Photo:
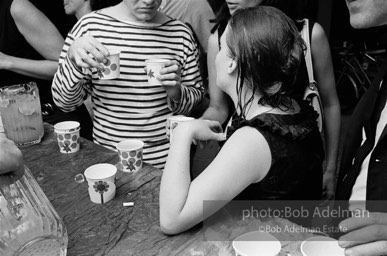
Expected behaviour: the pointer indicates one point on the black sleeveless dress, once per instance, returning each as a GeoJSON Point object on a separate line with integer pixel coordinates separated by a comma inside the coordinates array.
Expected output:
{"type": "Point", "coordinates": [297, 156]}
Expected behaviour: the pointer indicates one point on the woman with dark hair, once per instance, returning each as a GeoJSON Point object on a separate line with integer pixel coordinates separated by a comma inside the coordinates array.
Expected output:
{"type": "Point", "coordinates": [273, 149]}
{"type": "Point", "coordinates": [220, 108]}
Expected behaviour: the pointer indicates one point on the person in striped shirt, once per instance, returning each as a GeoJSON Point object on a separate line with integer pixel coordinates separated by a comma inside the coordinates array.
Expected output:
{"type": "Point", "coordinates": [128, 107]}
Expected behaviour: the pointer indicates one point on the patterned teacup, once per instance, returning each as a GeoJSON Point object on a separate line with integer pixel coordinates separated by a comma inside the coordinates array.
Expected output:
{"type": "Point", "coordinates": [68, 136]}
{"type": "Point", "coordinates": [101, 181]}
{"type": "Point", "coordinates": [130, 153]}
{"type": "Point", "coordinates": [111, 67]}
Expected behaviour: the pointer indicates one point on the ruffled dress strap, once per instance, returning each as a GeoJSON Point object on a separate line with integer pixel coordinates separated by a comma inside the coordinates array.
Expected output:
{"type": "Point", "coordinates": [292, 126]}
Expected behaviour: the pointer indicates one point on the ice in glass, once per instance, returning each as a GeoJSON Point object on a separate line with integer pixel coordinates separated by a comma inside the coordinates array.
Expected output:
{"type": "Point", "coordinates": [21, 113]}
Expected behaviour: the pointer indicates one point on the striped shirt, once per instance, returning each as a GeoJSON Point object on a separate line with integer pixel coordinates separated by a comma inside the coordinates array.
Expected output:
{"type": "Point", "coordinates": [128, 107]}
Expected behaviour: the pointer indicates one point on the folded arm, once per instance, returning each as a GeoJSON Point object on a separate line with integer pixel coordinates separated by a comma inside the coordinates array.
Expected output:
{"type": "Point", "coordinates": [42, 35]}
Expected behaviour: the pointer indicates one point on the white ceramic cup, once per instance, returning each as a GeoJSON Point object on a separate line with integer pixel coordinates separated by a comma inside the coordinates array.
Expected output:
{"type": "Point", "coordinates": [112, 66]}
{"type": "Point", "coordinates": [321, 246]}
{"type": "Point", "coordinates": [256, 243]}
{"type": "Point", "coordinates": [153, 67]}
{"type": "Point", "coordinates": [130, 152]}
{"type": "Point", "coordinates": [101, 181]}
{"type": "Point", "coordinates": [173, 122]}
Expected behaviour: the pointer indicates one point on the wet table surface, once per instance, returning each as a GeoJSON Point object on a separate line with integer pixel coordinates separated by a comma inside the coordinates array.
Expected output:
{"type": "Point", "coordinates": [111, 228]}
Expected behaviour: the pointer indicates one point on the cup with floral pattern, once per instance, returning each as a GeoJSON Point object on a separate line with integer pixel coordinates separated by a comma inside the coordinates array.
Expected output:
{"type": "Point", "coordinates": [173, 122]}
{"type": "Point", "coordinates": [111, 68]}
{"type": "Point", "coordinates": [67, 134]}
{"type": "Point", "coordinates": [101, 179]}
{"type": "Point", "coordinates": [153, 67]}
{"type": "Point", "coordinates": [130, 152]}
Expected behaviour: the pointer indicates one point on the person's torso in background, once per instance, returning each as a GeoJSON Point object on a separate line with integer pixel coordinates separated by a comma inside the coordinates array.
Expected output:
{"type": "Point", "coordinates": [13, 43]}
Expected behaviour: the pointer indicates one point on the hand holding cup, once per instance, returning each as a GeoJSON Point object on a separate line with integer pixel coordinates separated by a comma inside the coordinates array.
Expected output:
{"type": "Point", "coordinates": [88, 52]}
{"type": "Point", "coordinates": [200, 129]}
{"type": "Point", "coordinates": [166, 73]}
{"type": "Point", "coordinates": [173, 122]}
{"type": "Point", "coordinates": [111, 65]}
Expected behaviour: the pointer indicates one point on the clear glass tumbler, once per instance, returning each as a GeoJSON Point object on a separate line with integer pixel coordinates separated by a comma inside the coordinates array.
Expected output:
{"type": "Point", "coordinates": [21, 113]}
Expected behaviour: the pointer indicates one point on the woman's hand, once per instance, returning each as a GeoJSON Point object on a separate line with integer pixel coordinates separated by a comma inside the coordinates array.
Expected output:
{"type": "Point", "coordinates": [87, 52]}
{"type": "Point", "coordinates": [170, 78]}
{"type": "Point", "coordinates": [199, 129]}
{"type": "Point", "coordinates": [366, 235]}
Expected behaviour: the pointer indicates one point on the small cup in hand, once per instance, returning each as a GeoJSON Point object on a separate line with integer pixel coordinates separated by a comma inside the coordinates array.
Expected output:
{"type": "Point", "coordinates": [111, 66]}
{"type": "Point", "coordinates": [153, 67]}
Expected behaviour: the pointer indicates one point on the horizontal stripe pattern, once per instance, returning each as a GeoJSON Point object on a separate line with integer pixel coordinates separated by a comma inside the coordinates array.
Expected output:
{"type": "Point", "coordinates": [128, 107]}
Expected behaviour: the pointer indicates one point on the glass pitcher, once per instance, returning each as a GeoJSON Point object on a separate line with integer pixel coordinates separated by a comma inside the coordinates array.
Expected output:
{"type": "Point", "coordinates": [29, 224]}
{"type": "Point", "coordinates": [21, 113]}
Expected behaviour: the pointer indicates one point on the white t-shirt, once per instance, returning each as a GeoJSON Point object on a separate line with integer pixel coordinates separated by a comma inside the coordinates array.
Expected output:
{"type": "Point", "coordinates": [359, 190]}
